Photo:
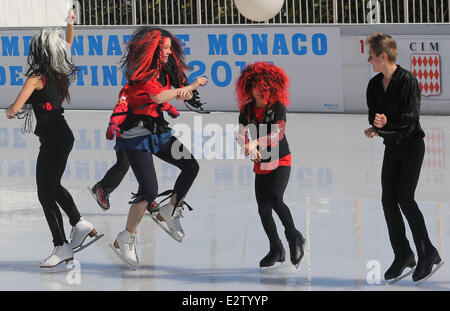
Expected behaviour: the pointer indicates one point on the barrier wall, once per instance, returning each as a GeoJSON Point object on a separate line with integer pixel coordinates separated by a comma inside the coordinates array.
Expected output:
{"type": "Point", "coordinates": [327, 64]}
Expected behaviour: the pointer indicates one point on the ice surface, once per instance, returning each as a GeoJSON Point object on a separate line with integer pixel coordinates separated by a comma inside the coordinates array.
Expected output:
{"type": "Point", "coordinates": [334, 195]}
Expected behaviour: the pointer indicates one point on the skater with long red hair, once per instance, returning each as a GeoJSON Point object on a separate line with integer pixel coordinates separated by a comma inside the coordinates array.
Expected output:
{"type": "Point", "coordinates": [262, 95]}
{"type": "Point", "coordinates": [155, 71]}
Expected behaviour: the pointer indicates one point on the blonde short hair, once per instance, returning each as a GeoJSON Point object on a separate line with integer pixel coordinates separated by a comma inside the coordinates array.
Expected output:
{"type": "Point", "coordinates": [382, 43]}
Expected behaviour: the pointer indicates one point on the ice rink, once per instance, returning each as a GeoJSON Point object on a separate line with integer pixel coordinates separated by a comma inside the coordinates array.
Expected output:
{"type": "Point", "coordinates": [334, 195]}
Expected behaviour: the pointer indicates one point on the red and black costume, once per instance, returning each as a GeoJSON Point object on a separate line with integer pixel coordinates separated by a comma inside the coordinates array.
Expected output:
{"type": "Point", "coordinates": [267, 125]}
{"type": "Point", "coordinates": [138, 122]}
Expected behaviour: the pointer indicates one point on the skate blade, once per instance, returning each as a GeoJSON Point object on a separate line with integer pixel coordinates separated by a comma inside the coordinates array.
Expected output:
{"type": "Point", "coordinates": [63, 266]}
{"type": "Point", "coordinates": [83, 246]}
{"type": "Point", "coordinates": [436, 268]}
{"type": "Point", "coordinates": [401, 277]}
{"type": "Point", "coordinates": [173, 235]}
{"type": "Point", "coordinates": [130, 266]}
{"type": "Point", "coordinates": [95, 198]}
{"type": "Point", "coordinates": [278, 266]}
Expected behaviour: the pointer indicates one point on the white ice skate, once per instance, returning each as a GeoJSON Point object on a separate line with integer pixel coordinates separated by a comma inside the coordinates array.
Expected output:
{"type": "Point", "coordinates": [177, 215]}
{"type": "Point", "coordinates": [125, 247]}
{"type": "Point", "coordinates": [60, 257]}
{"type": "Point", "coordinates": [80, 232]}
{"type": "Point", "coordinates": [173, 224]}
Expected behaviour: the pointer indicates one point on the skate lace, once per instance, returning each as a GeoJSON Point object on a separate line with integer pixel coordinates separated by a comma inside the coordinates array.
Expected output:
{"type": "Point", "coordinates": [53, 252]}
{"type": "Point", "coordinates": [178, 213]}
{"type": "Point", "coordinates": [132, 243]}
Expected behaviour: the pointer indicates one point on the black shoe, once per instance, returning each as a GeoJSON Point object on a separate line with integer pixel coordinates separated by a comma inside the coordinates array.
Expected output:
{"type": "Point", "coordinates": [425, 267]}
{"type": "Point", "coordinates": [399, 265]}
{"type": "Point", "coordinates": [276, 254]}
{"type": "Point", "coordinates": [296, 244]}
{"type": "Point", "coordinates": [101, 196]}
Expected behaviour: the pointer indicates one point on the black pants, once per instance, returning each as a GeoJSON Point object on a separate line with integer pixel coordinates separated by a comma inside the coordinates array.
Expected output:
{"type": "Point", "coordinates": [116, 173]}
{"type": "Point", "coordinates": [51, 162]}
{"type": "Point", "coordinates": [399, 177]}
{"type": "Point", "coordinates": [269, 190]}
{"type": "Point", "coordinates": [143, 168]}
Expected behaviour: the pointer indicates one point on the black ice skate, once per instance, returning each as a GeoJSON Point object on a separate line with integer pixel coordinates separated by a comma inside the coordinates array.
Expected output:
{"type": "Point", "coordinates": [425, 268]}
{"type": "Point", "coordinates": [395, 271]}
{"type": "Point", "coordinates": [275, 254]}
{"type": "Point", "coordinates": [100, 196]}
{"type": "Point", "coordinates": [296, 244]}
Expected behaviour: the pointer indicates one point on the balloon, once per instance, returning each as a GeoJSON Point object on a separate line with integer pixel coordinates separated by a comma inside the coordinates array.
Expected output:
{"type": "Point", "coordinates": [259, 10]}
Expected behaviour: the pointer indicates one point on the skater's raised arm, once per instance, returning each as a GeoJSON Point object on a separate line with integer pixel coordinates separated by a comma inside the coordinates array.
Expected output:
{"type": "Point", "coordinates": [70, 33]}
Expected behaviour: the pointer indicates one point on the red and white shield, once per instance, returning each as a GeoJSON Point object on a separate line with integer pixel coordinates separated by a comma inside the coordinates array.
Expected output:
{"type": "Point", "coordinates": [427, 69]}
{"type": "Point", "coordinates": [434, 151]}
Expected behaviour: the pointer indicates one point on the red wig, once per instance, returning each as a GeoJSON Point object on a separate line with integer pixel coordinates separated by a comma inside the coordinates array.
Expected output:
{"type": "Point", "coordinates": [269, 80]}
{"type": "Point", "coordinates": [142, 57]}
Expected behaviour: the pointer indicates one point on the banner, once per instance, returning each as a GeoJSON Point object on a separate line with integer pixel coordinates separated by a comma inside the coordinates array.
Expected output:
{"type": "Point", "coordinates": [311, 56]}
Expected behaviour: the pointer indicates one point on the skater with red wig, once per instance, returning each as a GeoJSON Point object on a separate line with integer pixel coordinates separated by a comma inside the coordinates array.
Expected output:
{"type": "Point", "coordinates": [155, 67]}
{"type": "Point", "coordinates": [262, 94]}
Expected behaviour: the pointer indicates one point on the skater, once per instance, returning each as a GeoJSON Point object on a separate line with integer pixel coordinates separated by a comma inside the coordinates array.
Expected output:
{"type": "Point", "coordinates": [393, 99]}
{"type": "Point", "coordinates": [46, 87]}
{"type": "Point", "coordinates": [154, 63]}
{"type": "Point", "coordinates": [114, 176]}
{"type": "Point", "coordinates": [262, 95]}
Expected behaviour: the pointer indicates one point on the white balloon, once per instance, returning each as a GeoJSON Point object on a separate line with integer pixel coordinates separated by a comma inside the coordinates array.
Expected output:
{"type": "Point", "coordinates": [259, 10]}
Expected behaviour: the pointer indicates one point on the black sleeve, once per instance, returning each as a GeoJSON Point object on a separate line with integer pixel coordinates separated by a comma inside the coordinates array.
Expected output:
{"type": "Point", "coordinates": [280, 112]}
{"type": "Point", "coordinates": [410, 104]}
{"type": "Point", "coordinates": [243, 116]}
{"type": "Point", "coordinates": [370, 98]}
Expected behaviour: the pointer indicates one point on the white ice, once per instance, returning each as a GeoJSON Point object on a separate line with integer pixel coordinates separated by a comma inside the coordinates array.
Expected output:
{"type": "Point", "coordinates": [334, 196]}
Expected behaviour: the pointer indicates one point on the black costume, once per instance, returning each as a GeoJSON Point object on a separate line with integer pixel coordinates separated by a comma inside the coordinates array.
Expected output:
{"type": "Point", "coordinates": [403, 157]}
{"type": "Point", "coordinates": [56, 140]}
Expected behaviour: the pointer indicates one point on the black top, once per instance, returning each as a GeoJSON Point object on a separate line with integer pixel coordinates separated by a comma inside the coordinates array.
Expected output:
{"type": "Point", "coordinates": [272, 114]}
{"type": "Point", "coordinates": [47, 107]}
{"type": "Point", "coordinates": [400, 103]}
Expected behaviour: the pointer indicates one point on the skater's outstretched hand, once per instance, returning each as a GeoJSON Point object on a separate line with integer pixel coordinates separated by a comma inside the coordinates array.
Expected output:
{"type": "Point", "coordinates": [200, 81]}
{"type": "Point", "coordinates": [112, 131]}
{"type": "Point", "coordinates": [370, 132]}
{"type": "Point", "coordinates": [249, 147]}
{"type": "Point", "coordinates": [255, 156]}
{"type": "Point", "coordinates": [183, 94]}
{"type": "Point", "coordinates": [71, 17]}
{"type": "Point", "coordinates": [171, 110]}
{"type": "Point", "coordinates": [380, 120]}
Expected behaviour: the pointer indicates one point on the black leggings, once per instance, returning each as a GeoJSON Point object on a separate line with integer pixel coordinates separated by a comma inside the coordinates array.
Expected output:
{"type": "Point", "coordinates": [116, 173]}
{"type": "Point", "coordinates": [399, 177]}
{"type": "Point", "coordinates": [269, 190]}
{"type": "Point", "coordinates": [143, 168]}
{"type": "Point", "coordinates": [50, 166]}
{"type": "Point", "coordinates": [175, 153]}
